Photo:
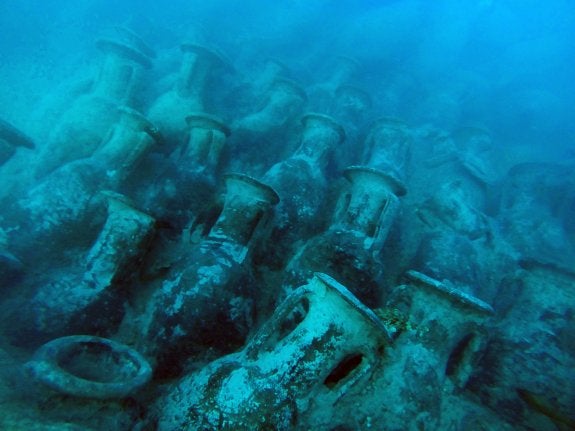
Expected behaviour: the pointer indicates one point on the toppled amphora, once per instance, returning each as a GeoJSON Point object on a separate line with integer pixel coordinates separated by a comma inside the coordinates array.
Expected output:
{"type": "Point", "coordinates": [320, 345]}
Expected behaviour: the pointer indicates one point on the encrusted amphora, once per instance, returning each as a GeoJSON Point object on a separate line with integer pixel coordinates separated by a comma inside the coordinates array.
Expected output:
{"type": "Point", "coordinates": [90, 297]}
{"type": "Point", "coordinates": [169, 111]}
{"type": "Point", "coordinates": [88, 120]}
{"type": "Point", "coordinates": [207, 300]}
{"type": "Point", "coordinates": [321, 344]}
{"type": "Point", "coordinates": [350, 248]}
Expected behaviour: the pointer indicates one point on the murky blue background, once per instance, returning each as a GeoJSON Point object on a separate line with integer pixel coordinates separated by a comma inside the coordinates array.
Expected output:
{"type": "Point", "coordinates": [507, 65]}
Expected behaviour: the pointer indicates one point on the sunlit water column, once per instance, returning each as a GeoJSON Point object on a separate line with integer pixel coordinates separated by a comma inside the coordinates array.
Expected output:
{"type": "Point", "coordinates": [88, 120]}
{"type": "Point", "coordinates": [207, 299]}
{"type": "Point", "coordinates": [320, 346]}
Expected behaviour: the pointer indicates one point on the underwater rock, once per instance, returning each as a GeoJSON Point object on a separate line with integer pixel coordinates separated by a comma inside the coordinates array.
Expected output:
{"type": "Point", "coordinates": [90, 298]}
{"type": "Point", "coordinates": [88, 120]}
{"type": "Point", "coordinates": [207, 300]}
{"type": "Point", "coordinates": [169, 111]}
{"type": "Point", "coordinates": [319, 347]}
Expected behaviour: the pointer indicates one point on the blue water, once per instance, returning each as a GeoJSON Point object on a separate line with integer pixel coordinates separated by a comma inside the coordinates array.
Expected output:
{"type": "Point", "coordinates": [513, 59]}
{"type": "Point", "coordinates": [493, 220]}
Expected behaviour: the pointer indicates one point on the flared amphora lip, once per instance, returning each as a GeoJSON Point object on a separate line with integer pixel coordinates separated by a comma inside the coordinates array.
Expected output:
{"type": "Point", "coordinates": [13, 136]}
{"type": "Point", "coordinates": [355, 303]}
{"type": "Point", "coordinates": [468, 132]}
{"type": "Point", "coordinates": [471, 302]}
{"type": "Point", "coordinates": [124, 50]}
{"type": "Point", "coordinates": [140, 121]}
{"type": "Point", "coordinates": [265, 192]}
{"type": "Point", "coordinates": [388, 180]}
{"type": "Point", "coordinates": [90, 367]}
{"type": "Point", "coordinates": [347, 61]}
{"type": "Point", "coordinates": [213, 55]}
{"type": "Point", "coordinates": [280, 65]}
{"type": "Point", "coordinates": [133, 39]}
{"type": "Point", "coordinates": [476, 138]}
{"type": "Point", "coordinates": [324, 121]}
{"type": "Point", "coordinates": [392, 123]}
{"type": "Point", "coordinates": [288, 86]}
{"type": "Point", "coordinates": [202, 120]}
{"type": "Point", "coordinates": [354, 92]}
